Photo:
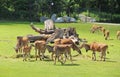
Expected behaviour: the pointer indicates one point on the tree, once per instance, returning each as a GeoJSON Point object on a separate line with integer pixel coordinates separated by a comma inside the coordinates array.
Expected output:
{"type": "Point", "coordinates": [33, 9]}
{"type": "Point", "coordinates": [68, 6]}
{"type": "Point", "coordinates": [5, 9]}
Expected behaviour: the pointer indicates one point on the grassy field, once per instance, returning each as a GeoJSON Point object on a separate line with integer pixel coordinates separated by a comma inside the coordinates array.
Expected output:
{"type": "Point", "coordinates": [83, 65]}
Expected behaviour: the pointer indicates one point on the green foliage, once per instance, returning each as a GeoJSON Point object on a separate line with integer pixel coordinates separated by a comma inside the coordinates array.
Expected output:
{"type": "Point", "coordinates": [103, 16]}
{"type": "Point", "coordinates": [31, 10]}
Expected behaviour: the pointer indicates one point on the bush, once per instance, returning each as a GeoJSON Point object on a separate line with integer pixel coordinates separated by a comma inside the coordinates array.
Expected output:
{"type": "Point", "coordinates": [103, 16]}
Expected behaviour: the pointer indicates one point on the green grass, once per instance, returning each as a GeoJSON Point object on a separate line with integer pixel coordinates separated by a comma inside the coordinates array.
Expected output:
{"type": "Point", "coordinates": [83, 66]}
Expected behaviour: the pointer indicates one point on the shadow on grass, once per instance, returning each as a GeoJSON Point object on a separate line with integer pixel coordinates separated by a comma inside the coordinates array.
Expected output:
{"type": "Point", "coordinates": [68, 65]}
{"type": "Point", "coordinates": [111, 61]}
{"type": "Point", "coordinates": [48, 60]}
{"type": "Point", "coordinates": [107, 61]}
{"type": "Point", "coordinates": [32, 60]}
{"type": "Point", "coordinates": [111, 39]}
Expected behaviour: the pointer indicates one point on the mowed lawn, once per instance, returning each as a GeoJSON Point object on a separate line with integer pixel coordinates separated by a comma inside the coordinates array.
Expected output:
{"type": "Point", "coordinates": [83, 65]}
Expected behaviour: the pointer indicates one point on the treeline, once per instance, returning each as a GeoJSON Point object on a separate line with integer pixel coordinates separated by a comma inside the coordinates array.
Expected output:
{"type": "Point", "coordinates": [32, 9]}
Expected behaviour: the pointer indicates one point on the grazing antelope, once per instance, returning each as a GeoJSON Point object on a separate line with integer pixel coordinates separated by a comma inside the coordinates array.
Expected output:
{"type": "Point", "coordinates": [62, 49]}
{"type": "Point", "coordinates": [106, 34]}
{"type": "Point", "coordinates": [40, 47]}
{"type": "Point", "coordinates": [103, 30]}
{"type": "Point", "coordinates": [67, 41]}
{"type": "Point", "coordinates": [26, 52]}
{"type": "Point", "coordinates": [21, 42]}
{"type": "Point", "coordinates": [95, 28]}
{"type": "Point", "coordinates": [96, 47]}
{"type": "Point", "coordinates": [118, 35]}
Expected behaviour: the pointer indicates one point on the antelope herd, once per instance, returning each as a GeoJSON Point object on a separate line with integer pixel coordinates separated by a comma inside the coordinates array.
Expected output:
{"type": "Point", "coordinates": [63, 41]}
{"type": "Point", "coordinates": [105, 32]}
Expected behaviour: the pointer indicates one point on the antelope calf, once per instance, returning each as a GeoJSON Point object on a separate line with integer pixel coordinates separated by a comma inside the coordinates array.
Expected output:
{"type": "Point", "coordinates": [26, 52]}
{"type": "Point", "coordinates": [40, 47]}
{"type": "Point", "coordinates": [62, 49]}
